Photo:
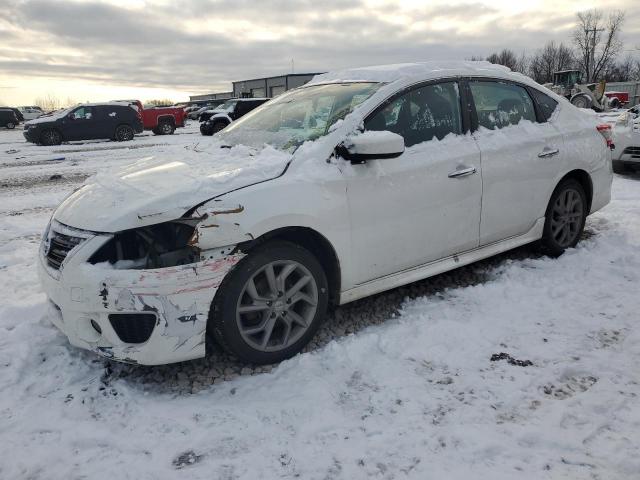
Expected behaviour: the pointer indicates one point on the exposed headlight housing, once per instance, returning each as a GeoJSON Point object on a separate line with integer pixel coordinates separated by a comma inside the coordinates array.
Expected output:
{"type": "Point", "coordinates": [155, 246]}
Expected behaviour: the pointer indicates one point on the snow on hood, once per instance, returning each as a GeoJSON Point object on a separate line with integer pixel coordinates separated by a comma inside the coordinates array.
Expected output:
{"type": "Point", "coordinates": [49, 117]}
{"type": "Point", "coordinates": [163, 187]}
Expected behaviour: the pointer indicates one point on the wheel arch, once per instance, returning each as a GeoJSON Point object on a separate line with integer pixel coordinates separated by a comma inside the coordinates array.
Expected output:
{"type": "Point", "coordinates": [317, 244]}
{"type": "Point", "coordinates": [584, 179]}
{"type": "Point", "coordinates": [167, 118]}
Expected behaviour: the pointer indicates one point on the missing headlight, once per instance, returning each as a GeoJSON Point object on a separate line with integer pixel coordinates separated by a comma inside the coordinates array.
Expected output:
{"type": "Point", "coordinates": [155, 246]}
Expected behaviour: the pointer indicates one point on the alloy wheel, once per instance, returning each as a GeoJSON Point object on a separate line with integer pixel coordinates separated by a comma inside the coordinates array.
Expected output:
{"type": "Point", "coordinates": [277, 305]}
{"type": "Point", "coordinates": [566, 217]}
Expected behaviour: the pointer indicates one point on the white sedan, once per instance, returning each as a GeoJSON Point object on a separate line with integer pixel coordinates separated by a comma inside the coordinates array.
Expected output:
{"type": "Point", "coordinates": [626, 140]}
{"type": "Point", "coordinates": [358, 182]}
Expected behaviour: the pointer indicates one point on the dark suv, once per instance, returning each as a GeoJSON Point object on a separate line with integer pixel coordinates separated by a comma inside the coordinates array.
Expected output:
{"type": "Point", "coordinates": [214, 120]}
{"type": "Point", "coordinates": [8, 118]}
{"type": "Point", "coordinates": [116, 121]}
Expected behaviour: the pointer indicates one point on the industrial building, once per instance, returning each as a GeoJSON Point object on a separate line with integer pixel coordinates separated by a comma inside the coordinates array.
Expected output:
{"type": "Point", "coordinates": [259, 87]}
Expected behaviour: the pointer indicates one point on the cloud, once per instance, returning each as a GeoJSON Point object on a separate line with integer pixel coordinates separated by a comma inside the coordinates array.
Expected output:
{"type": "Point", "coordinates": [203, 45]}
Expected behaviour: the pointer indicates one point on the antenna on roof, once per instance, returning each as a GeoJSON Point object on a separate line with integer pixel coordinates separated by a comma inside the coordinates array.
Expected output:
{"type": "Point", "coordinates": [292, 69]}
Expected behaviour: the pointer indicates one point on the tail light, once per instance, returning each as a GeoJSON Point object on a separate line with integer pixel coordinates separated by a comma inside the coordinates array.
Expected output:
{"type": "Point", "coordinates": [607, 134]}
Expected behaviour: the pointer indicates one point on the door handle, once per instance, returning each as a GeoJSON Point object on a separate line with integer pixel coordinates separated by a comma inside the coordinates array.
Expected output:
{"type": "Point", "coordinates": [547, 152]}
{"type": "Point", "coordinates": [463, 173]}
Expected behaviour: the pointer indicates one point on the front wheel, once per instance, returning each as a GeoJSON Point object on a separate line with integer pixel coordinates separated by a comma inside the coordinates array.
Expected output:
{"type": "Point", "coordinates": [582, 101]}
{"type": "Point", "coordinates": [271, 304]}
{"type": "Point", "coordinates": [11, 125]}
{"type": "Point", "coordinates": [51, 137]}
{"type": "Point", "coordinates": [565, 217]}
{"type": "Point", "coordinates": [124, 133]}
{"type": "Point", "coordinates": [218, 126]}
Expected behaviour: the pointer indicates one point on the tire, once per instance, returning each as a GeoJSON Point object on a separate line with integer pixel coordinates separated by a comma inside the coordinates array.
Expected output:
{"type": "Point", "coordinates": [272, 328]}
{"type": "Point", "coordinates": [565, 218]}
{"type": "Point", "coordinates": [218, 126]}
{"type": "Point", "coordinates": [124, 133]}
{"type": "Point", "coordinates": [206, 129]}
{"type": "Point", "coordinates": [50, 137]}
{"type": "Point", "coordinates": [615, 103]}
{"type": "Point", "coordinates": [582, 101]}
{"type": "Point", "coordinates": [165, 128]}
{"type": "Point", "coordinates": [619, 167]}
{"type": "Point", "coordinates": [11, 125]}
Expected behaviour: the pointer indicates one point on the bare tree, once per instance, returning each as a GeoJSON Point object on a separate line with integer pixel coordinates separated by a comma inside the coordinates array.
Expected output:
{"type": "Point", "coordinates": [159, 102]}
{"type": "Point", "coordinates": [622, 71]}
{"type": "Point", "coordinates": [48, 103]}
{"type": "Point", "coordinates": [549, 59]}
{"type": "Point", "coordinates": [597, 40]}
{"type": "Point", "coordinates": [506, 57]}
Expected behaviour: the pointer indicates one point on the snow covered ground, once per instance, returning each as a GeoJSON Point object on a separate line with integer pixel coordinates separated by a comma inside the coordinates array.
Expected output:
{"type": "Point", "coordinates": [517, 367]}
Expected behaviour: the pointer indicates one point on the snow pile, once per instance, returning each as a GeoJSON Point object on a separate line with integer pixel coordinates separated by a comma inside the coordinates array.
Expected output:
{"type": "Point", "coordinates": [528, 374]}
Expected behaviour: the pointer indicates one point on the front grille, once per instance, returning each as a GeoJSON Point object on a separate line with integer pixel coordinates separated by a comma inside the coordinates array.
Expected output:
{"type": "Point", "coordinates": [59, 247]}
{"type": "Point", "coordinates": [633, 151]}
{"type": "Point", "coordinates": [133, 327]}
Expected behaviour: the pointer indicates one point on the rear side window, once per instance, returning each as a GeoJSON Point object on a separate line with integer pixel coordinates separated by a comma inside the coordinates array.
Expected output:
{"type": "Point", "coordinates": [500, 104]}
{"type": "Point", "coordinates": [422, 114]}
{"type": "Point", "coordinates": [546, 104]}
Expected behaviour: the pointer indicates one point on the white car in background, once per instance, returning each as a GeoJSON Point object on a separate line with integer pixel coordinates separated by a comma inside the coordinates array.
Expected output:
{"type": "Point", "coordinates": [358, 182]}
{"type": "Point", "coordinates": [626, 141]}
{"type": "Point", "coordinates": [30, 112]}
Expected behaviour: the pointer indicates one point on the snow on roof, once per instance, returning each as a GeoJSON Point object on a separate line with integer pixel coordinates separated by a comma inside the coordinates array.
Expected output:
{"type": "Point", "coordinates": [431, 69]}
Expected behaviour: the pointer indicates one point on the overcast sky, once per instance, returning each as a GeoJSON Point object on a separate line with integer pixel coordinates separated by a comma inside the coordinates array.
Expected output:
{"type": "Point", "coordinates": [100, 50]}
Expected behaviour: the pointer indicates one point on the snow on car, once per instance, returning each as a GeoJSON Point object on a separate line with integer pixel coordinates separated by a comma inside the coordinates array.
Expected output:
{"type": "Point", "coordinates": [361, 181]}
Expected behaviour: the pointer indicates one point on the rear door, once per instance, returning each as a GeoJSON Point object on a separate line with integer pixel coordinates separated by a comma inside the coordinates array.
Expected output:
{"type": "Point", "coordinates": [520, 154]}
{"type": "Point", "coordinates": [425, 204]}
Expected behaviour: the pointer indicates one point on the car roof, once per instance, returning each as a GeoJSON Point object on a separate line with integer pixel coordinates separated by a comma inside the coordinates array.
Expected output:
{"type": "Point", "coordinates": [419, 71]}
{"type": "Point", "coordinates": [121, 103]}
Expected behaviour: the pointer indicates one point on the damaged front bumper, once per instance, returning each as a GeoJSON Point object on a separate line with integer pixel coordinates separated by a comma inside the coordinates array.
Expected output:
{"type": "Point", "coordinates": [96, 307]}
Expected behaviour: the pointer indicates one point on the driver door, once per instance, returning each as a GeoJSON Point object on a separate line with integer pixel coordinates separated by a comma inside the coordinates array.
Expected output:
{"type": "Point", "coordinates": [425, 204]}
{"type": "Point", "coordinates": [80, 124]}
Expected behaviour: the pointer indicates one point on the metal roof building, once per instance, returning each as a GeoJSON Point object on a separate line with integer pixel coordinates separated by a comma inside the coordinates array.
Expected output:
{"type": "Point", "coordinates": [270, 86]}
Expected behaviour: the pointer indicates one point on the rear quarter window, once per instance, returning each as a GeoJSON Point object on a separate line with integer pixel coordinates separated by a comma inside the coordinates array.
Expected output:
{"type": "Point", "coordinates": [546, 104]}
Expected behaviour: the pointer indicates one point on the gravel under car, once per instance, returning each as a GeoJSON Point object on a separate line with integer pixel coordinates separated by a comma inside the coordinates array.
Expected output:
{"type": "Point", "coordinates": [358, 182]}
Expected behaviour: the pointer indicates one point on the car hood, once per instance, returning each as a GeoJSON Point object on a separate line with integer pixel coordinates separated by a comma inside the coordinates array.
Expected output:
{"type": "Point", "coordinates": [47, 117]}
{"type": "Point", "coordinates": [164, 187]}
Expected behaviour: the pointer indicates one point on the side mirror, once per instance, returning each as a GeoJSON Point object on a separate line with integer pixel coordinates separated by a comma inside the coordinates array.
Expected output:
{"type": "Point", "coordinates": [372, 145]}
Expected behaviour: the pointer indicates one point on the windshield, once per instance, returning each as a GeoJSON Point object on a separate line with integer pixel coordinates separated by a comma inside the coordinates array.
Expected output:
{"type": "Point", "coordinates": [293, 118]}
{"type": "Point", "coordinates": [226, 106]}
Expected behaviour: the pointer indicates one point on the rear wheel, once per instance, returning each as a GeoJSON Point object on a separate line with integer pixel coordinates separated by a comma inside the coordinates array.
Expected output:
{"type": "Point", "coordinates": [51, 137]}
{"type": "Point", "coordinates": [565, 217]}
{"type": "Point", "coordinates": [165, 128]}
{"type": "Point", "coordinates": [271, 304]}
{"type": "Point", "coordinates": [124, 133]}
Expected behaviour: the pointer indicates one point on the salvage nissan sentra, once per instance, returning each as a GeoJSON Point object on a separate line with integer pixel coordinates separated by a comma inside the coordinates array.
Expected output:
{"type": "Point", "coordinates": [361, 181]}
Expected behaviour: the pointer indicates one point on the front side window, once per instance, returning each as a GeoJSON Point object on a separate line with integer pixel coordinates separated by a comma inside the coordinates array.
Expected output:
{"type": "Point", "coordinates": [422, 114]}
{"type": "Point", "coordinates": [500, 104]}
{"type": "Point", "coordinates": [297, 116]}
{"type": "Point", "coordinates": [83, 113]}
